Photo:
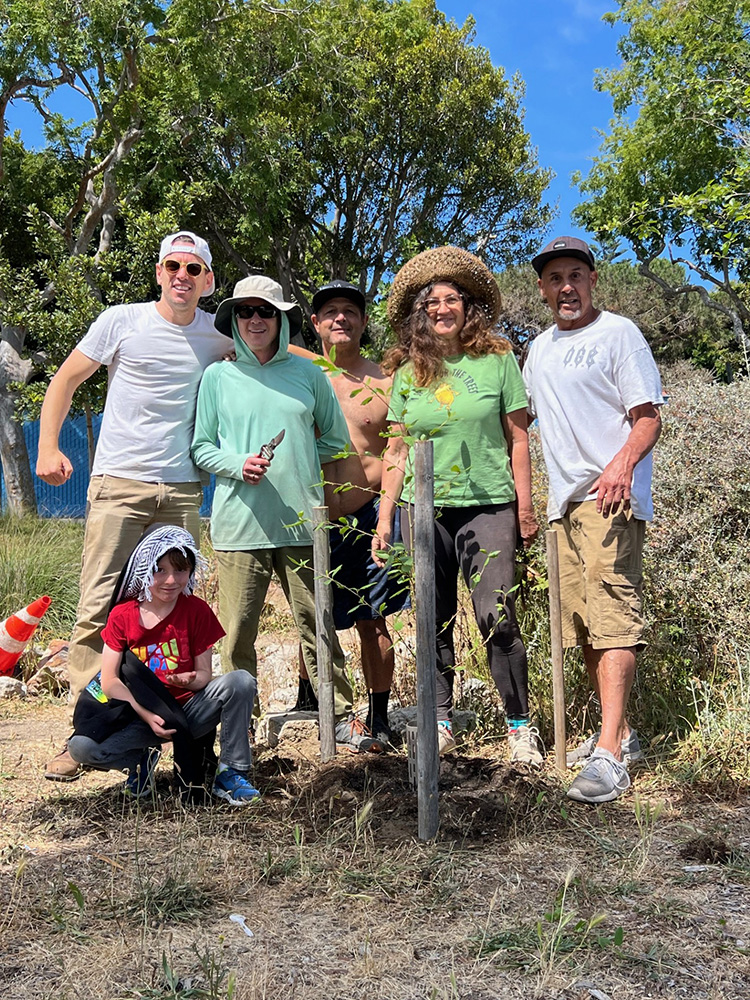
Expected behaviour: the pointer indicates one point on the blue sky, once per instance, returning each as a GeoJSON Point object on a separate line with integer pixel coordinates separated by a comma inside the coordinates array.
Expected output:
{"type": "Point", "coordinates": [556, 47]}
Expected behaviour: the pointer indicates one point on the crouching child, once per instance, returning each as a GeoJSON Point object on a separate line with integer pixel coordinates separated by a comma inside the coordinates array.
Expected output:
{"type": "Point", "coordinates": [155, 682]}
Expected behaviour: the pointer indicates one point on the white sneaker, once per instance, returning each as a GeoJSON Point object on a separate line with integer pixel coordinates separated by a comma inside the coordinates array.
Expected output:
{"type": "Point", "coordinates": [525, 746]}
{"type": "Point", "coordinates": [602, 778]}
{"type": "Point", "coordinates": [446, 741]}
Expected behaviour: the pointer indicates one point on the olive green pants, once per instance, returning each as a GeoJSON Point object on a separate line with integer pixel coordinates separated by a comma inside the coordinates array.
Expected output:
{"type": "Point", "coordinates": [244, 578]}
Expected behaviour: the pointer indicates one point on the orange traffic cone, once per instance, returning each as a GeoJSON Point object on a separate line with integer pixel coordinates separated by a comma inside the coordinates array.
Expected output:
{"type": "Point", "coordinates": [16, 631]}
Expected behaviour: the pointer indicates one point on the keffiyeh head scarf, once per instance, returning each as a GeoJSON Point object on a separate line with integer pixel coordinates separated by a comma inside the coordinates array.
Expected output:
{"type": "Point", "coordinates": [137, 577]}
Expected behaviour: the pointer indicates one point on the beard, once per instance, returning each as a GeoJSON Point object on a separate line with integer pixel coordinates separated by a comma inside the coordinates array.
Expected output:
{"type": "Point", "coordinates": [576, 314]}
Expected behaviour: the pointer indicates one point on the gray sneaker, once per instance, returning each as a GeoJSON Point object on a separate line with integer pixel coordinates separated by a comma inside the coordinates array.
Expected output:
{"type": "Point", "coordinates": [353, 735]}
{"type": "Point", "coordinates": [603, 777]}
{"type": "Point", "coordinates": [526, 746]}
{"type": "Point", "coordinates": [631, 749]}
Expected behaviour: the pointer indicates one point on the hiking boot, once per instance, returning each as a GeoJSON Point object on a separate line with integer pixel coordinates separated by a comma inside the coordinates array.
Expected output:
{"type": "Point", "coordinates": [602, 779]}
{"type": "Point", "coordinates": [631, 749]}
{"type": "Point", "coordinates": [446, 741]}
{"type": "Point", "coordinates": [353, 735]}
{"type": "Point", "coordinates": [62, 767]}
{"type": "Point", "coordinates": [233, 787]}
{"type": "Point", "coordinates": [381, 732]}
{"type": "Point", "coordinates": [140, 783]}
{"type": "Point", "coordinates": [525, 746]}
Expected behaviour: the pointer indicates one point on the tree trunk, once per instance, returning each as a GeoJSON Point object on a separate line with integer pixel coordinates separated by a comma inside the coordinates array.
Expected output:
{"type": "Point", "coordinates": [19, 485]}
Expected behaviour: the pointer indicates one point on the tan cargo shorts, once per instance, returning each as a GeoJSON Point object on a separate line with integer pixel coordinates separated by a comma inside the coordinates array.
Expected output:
{"type": "Point", "coordinates": [601, 577]}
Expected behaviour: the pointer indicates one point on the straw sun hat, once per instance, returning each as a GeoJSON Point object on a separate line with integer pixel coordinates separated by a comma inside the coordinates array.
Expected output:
{"type": "Point", "coordinates": [443, 264]}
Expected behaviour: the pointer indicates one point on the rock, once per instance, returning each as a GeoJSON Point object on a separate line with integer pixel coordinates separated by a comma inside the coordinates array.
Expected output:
{"type": "Point", "coordinates": [476, 686]}
{"type": "Point", "coordinates": [282, 699]}
{"type": "Point", "coordinates": [12, 687]}
{"type": "Point", "coordinates": [52, 671]}
{"type": "Point", "coordinates": [277, 661]}
{"type": "Point", "coordinates": [293, 726]}
{"type": "Point", "coordinates": [57, 651]}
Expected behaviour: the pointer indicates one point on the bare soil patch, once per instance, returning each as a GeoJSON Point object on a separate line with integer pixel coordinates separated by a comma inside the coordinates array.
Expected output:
{"type": "Point", "coordinates": [523, 895]}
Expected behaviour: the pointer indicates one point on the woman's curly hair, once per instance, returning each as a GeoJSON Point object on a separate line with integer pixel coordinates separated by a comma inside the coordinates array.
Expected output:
{"type": "Point", "coordinates": [418, 343]}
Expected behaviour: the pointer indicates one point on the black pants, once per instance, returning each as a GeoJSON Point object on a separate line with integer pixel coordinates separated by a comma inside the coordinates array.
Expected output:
{"type": "Point", "coordinates": [481, 543]}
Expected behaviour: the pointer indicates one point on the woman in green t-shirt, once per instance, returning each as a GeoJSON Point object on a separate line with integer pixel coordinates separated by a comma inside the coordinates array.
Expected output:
{"type": "Point", "coordinates": [457, 383]}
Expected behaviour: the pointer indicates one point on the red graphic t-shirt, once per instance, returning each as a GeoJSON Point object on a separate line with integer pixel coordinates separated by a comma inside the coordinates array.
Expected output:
{"type": "Point", "coordinates": [170, 647]}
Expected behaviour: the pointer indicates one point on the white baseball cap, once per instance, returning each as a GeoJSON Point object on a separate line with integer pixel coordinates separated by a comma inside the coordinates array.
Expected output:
{"type": "Point", "coordinates": [187, 242]}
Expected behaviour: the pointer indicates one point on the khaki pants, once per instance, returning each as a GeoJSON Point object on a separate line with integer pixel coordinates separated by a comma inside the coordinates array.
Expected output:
{"type": "Point", "coordinates": [120, 510]}
{"type": "Point", "coordinates": [601, 577]}
{"type": "Point", "coordinates": [243, 583]}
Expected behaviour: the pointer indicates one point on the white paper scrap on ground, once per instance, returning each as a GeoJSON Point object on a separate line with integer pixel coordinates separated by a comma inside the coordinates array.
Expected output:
{"type": "Point", "coordinates": [237, 918]}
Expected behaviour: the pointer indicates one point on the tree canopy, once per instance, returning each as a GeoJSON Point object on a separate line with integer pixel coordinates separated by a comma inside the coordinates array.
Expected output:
{"type": "Point", "coordinates": [672, 173]}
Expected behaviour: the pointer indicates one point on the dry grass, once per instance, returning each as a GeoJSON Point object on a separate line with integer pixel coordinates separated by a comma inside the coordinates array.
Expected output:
{"type": "Point", "coordinates": [523, 895]}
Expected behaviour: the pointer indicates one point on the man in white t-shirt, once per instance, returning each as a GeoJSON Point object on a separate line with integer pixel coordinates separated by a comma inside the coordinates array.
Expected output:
{"type": "Point", "coordinates": [155, 353]}
{"type": "Point", "coordinates": [594, 386]}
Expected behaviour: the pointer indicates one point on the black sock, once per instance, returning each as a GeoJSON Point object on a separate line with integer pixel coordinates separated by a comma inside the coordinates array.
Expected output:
{"type": "Point", "coordinates": [378, 706]}
{"type": "Point", "coordinates": [306, 700]}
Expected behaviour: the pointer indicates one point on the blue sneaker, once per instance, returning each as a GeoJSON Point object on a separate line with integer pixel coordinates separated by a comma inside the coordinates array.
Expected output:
{"type": "Point", "coordinates": [234, 788]}
{"type": "Point", "coordinates": [140, 783]}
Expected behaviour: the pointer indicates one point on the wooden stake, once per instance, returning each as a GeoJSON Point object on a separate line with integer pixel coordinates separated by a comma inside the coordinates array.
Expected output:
{"type": "Point", "coordinates": [323, 632]}
{"type": "Point", "coordinates": [424, 596]}
{"type": "Point", "coordinates": [555, 630]}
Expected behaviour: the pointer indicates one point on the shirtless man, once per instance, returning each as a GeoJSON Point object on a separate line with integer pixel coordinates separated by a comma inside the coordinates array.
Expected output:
{"type": "Point", "coordinates": [363, 594]}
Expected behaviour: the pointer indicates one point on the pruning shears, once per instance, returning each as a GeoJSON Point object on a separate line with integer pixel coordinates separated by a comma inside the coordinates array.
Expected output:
{"type": "Point", "coordinates": [268, 449]}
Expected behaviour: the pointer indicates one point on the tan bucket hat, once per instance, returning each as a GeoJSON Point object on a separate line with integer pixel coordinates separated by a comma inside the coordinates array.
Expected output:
{"type": "Point", "coordinates": [443, 264]}
{"type": "Point", "coordinates": [258, 286]}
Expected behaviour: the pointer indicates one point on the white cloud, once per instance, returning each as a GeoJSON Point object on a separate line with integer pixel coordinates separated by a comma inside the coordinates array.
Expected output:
{"type": "Point", "coordinates": [574, 34]}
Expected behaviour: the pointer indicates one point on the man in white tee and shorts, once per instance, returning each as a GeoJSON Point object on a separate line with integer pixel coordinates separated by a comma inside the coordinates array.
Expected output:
{"type": "Point", "coordinates": [594, 386]}
{"type": "Point", "coordinates": [155, 353]}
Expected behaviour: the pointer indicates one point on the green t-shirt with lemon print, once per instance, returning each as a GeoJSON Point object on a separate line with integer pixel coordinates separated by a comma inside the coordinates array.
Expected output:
{"type": "Point", "coordinates": [461, 412]}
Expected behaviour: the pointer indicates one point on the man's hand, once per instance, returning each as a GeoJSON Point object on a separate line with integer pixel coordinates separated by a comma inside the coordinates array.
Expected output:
{"type": "Point", "coordinates": [528, 527]}
{"type": "Point", "coordinates": [613, 486]}
{"type": "Point", "coordinates": [254, 469]}
{"type": "Point", "coordinates": [381, 542]}
{"type": "Point", "coordinates": [54, 467]}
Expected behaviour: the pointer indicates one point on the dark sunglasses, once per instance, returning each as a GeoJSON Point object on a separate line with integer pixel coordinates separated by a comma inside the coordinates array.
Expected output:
{"type": "Point", "coordinates": [247, 312]}
{"type": "Point", "coordinates": [193, 268]}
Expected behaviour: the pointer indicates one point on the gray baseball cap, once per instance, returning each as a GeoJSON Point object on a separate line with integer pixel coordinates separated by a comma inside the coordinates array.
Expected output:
{"type": "Point", "coordinates": [563, 246]}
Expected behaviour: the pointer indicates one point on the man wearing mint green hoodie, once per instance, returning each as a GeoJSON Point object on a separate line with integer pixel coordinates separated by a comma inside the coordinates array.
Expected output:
{"type": "Point", "coordinates": [262, 510]}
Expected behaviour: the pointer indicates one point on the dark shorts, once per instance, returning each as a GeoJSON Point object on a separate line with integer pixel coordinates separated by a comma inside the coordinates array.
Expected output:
{"type": "Point", "coordinates": [361, 590]}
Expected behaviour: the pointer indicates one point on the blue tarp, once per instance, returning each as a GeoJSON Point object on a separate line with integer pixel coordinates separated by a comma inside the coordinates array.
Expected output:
{"type": "Point", "coordinates": [69, 500]}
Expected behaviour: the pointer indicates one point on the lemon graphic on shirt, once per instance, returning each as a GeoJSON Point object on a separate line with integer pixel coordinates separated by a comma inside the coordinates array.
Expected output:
{"type": "Point", "coordinates": [444, 394]}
